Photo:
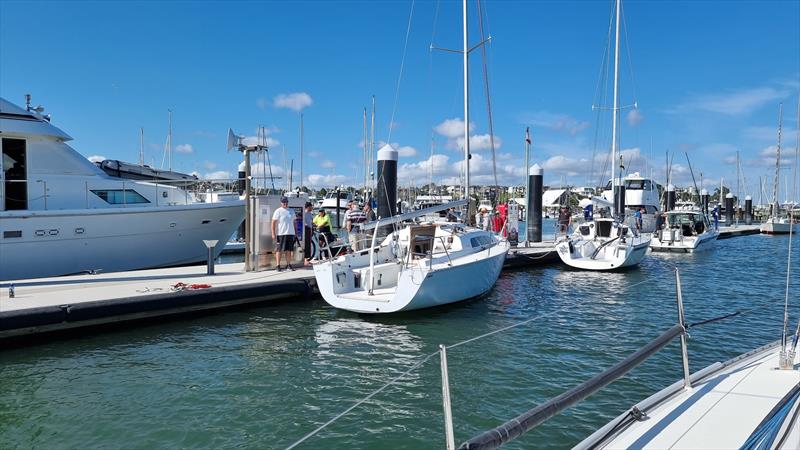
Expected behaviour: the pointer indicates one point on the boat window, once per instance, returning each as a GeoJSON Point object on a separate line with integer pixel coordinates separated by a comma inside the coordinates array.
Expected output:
{"type": "Point", "coordinates": [634, 184]}
{"type": "Point", "coordinates": [119, 196]}
{"type": "Point", "coordinates": [15, 174]}
{"type": "Point", "coordinates": [479, 241]}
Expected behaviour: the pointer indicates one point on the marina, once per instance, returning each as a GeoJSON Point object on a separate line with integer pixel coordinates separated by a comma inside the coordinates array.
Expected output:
{"type": "Point", "coordinates": [460, 225]}
{"type": "Point", "coordinates": [304, 359]}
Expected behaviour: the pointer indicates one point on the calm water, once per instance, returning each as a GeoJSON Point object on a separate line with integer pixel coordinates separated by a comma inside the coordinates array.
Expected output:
{"type": "Point", "coordinates": [264, 377]}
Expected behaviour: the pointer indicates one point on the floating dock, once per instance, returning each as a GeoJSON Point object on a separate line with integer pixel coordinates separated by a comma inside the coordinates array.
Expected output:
{"type": "Point", "coordinates": [58, 304]}
{"type": "Point", "coordinates": [738, 230]}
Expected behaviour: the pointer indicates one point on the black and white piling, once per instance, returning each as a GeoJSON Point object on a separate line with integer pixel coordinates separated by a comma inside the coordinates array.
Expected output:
{"type": "Point", "coordinates": [704, 201]}
{"type": "Point", "coordinates": [729, 209]}
{"type": "Point", "coordinates": [387, 182]}
{"type": "Point", "coordinates": [619, 201]}
{"type": "Point", "coordinates": [669, 198]}
{"type": "Point", "coordinates": [533, 215]}
{"type": "Point", "coordinates": [748, 210]}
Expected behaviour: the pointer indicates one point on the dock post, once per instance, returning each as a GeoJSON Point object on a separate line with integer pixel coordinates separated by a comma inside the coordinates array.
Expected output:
{"type": "Point", "coordinates": [210, 244]}
{"type": "Point", "coordinates": [687, 382]}
{"type": "Point", "coordinates": [450, 441]}
{"type": "Point", "coordinates": [386, 191]}
{"type": "Point", "coordinates": [729, 209]}
{"type": "Point", "coordinates": [669, 199]}
{"type": "Point", "coordinates": [248, 219]}
{"type": "Point", "coordinates": [748, 210]}
{"type": "Point", "coordinates": [533, 210]}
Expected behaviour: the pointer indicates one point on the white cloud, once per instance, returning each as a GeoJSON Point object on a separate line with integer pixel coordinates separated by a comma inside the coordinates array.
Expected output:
{"type": "Point", "coordinates": [634, 117]}
{"type": "Point", "coordinates": [555, 121]}
{"type": "Point", "coordinates": [314, 154]}
{"type": "Point", "coordinates": [295, 101]}
{"type": "Point", "coordinates": [406, 151]}
{"type": "Point", "coordinates": [452, 128]}
{"type": "Point", "coordinates": [733, 102]}
{"type": "Point", "coordinates": [477, 143]}
{"type": "Point", "coordinates": [327, 164]}
{"type": "Point", "coordinates": [266, 138]}
{"type": "Point", "coordinates": [319, 181]}
{"type": "Point", "coordinates": [209, 165]}
{"type": "Point", "coordinates": [218, 175]}
{"type": "Point", "coordinates": [184, 148]}
{"type": "Point", "coordinates": [96, 158]}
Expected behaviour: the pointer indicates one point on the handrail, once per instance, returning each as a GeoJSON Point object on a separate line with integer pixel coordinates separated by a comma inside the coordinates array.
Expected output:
{"type": "Point", "coordinates": [516, 427]}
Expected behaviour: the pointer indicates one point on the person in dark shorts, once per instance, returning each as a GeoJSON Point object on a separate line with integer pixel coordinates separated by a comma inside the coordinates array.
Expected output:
{"type": "Point", "coordinates": [308, 219]}
{"type": "Point", "coordinates": [564, 220]}
{"type": "Point", "coordinates": [283, 230]}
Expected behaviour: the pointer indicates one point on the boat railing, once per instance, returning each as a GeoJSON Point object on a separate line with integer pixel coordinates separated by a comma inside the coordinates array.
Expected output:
{"type": "Point", "coordinates": [525, 422]}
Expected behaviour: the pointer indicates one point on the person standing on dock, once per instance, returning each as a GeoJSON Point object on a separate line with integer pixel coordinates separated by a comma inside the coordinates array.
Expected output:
{"type": "Point", "coordinates": [564, 220]}
{"type": "Point", "coordinates": [283, 230]}
{"type": "Point", "coordinates": [308, 220]}
{"type": "Point", "coordinates": [369, 213]}
{"type": "Point", "coordinates": [715, 215]}
{"type": "Point", "coordinates": [352, 221]}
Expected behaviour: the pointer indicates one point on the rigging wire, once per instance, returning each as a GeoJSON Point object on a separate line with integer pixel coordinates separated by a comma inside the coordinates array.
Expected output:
{"type": "Point", "coordinates": [601, 94]}
{"type": "Point", "coordinates": [488, 97]}
{"type": "Point", "coordinates": [400, 75]}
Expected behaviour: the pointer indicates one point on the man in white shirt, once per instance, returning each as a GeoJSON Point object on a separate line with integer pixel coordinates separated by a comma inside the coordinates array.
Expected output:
{"type": "Point", "coordinates": [283, 231]}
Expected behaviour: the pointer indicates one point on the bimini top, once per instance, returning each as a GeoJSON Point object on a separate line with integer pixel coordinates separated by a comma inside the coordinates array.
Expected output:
{"type": "Point", "coordinates": [15, 120]}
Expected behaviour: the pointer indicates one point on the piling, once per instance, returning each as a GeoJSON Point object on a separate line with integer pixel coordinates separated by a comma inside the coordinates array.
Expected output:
{"type": "Point", "coordinates": [729, 209]}
{"type": "Point", "coordinates": [748, 210]}
{"type": "Point", "coordinates": [669, 199]}
{"type": "Point", "coordinates": [240, 232]}
{"type": "Point", "coordinates": [533, 210]}
{"type": "Point", "coordinates": [387, 182]}
{"type": "Point", "coordinates": [619, 202]}
{"type": "Point", "coordinates": [704, 201]}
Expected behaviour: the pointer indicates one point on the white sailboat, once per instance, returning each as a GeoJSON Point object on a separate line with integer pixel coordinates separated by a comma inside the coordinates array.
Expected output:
{"type": "Point", "coordinates": [605, 243]}
{"type": "Point", "coordinates": [419, 265]}
{"type": "Point", "coordinates": [60, 214]}
{"type": "Point", "coordinates": [686, 230]}
{"type": "Point", "coordinates": [776, 224]}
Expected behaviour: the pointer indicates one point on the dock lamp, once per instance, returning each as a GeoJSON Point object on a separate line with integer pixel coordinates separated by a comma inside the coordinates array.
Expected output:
{"type": "Point", "coordinates": [210, 244]}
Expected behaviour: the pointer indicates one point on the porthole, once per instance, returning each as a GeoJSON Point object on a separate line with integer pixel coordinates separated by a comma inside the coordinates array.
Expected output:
{"type": "Point", "coordinates": [39, 233]}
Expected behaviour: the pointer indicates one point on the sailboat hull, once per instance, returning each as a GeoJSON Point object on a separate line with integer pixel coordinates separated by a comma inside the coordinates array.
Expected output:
{"type": "Point", "coordinates": [417, 286]}
{"type": "Point", "coordinates": [771, 227]}
{"type": "Point", "coordinates": [612, 257]}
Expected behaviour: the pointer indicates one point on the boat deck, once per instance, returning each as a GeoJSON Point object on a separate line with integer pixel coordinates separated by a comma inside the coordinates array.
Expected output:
{"type": "Point", "coordinates": [720, 412]}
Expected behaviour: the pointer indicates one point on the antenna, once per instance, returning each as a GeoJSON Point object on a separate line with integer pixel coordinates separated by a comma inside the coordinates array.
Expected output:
{"type": "Point", "coordinates": [234, 141]}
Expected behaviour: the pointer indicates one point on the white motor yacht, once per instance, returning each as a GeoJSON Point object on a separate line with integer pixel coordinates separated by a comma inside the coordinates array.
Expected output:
{"type": "Point", "coordinates": [685, 231]}
{"type": "Point", "coordinates": [640, 192]}
{"type": "Point", "coordinates": [60, 214]}
{"type": "Point", "coordinates": [418, 266]}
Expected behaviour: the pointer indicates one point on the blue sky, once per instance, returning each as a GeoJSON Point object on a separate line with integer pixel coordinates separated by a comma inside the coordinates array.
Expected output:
{"type": "Point", "coordinates": [707, 76]}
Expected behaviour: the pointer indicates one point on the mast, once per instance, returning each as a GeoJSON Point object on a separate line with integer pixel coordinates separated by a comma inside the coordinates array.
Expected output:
{"type": "Point", "coordinates": [372, 144]}
{"type": "Point", "coordinates": [615, 110]}
{"type": "Point", "coordinates": [141, 146]}
{"type": "Point", "coordinates": [169, 140]}
{"type": "Point", "coordinates": [364, 159]}
{"type": "Point", "coordinates": [466, 106]}
{"type": "Point", "coordinates": [300, 185]}
{"type": "Point", "coordinates": [775, 199]}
